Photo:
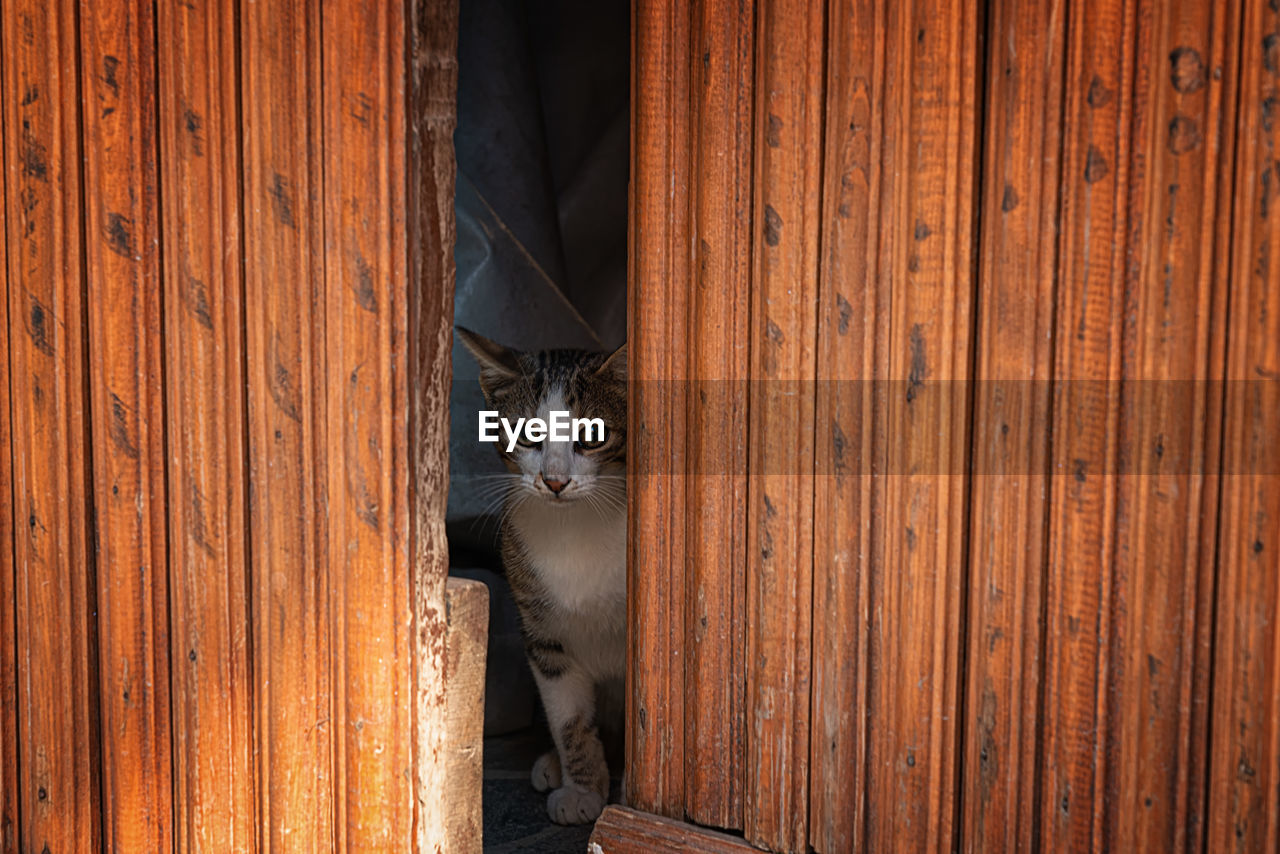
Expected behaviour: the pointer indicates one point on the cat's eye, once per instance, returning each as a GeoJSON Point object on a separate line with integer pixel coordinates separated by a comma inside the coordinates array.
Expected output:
{"type": "Point", "coordinates": [590, 441]}
{"type": "Point", "coordinates": [524, 441]}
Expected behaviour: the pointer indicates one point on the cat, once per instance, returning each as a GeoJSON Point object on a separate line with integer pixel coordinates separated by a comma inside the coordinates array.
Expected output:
{"type": "Point", "coordinates": [564, 546]}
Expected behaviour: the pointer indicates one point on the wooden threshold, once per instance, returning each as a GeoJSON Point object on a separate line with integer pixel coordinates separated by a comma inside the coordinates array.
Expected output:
{"type": "Point", "coordinates": [621, 830]}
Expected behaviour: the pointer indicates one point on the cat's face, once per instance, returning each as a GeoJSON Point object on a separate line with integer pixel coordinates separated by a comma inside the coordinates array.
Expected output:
{"type": "Point", "coordinates": [584, 384]}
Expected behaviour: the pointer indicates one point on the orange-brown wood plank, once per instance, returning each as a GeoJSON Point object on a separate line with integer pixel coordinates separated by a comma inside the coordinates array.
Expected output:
{"type": "Point", "coordinates": [657, 317]}
{"type": "Point", "coordinates": [1087, 338]}
{"type": "Point", "coordinates": [9, 794]}
{"type": "Point", "coordinates": [57, 787]}
{"type": "Point", "coordinates": [1012, 370]}
{"type": "Point", "coordinates": [430, 171]}
{"type": "Point", "coordinates": [783, 339]}
{"type": "Point", "coordinates": [719, 306]}
{"type": "Point", "coordinates": [214, 798]}
{"type": "Point", "coordinates": [924, 266]}
{"type": "Point", "coordinates": [620, 830]}
{"type": "Point", "coordinates": [852, 339]}
{"type": "Point", "coordinates": [1175, 295]}
{"type": "Point", "coordinates": [287, 390]}
{"type": "Point", "coordinates": [122, 237]}
{"type": "Point", "coordinates": [1243, 811]}
{"type": "Point", "coordinates": [366, 426]}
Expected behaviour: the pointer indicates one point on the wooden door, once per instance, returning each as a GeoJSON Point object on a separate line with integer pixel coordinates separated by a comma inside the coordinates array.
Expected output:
{"type": "Point", "coordinates": [227, 293]}
{"type": "Point", "coordinates": [956, 504]}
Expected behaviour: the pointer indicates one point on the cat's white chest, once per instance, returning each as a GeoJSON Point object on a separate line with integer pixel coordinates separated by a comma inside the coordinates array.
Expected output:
{"type": "Point", "coordinates": [579, 555]}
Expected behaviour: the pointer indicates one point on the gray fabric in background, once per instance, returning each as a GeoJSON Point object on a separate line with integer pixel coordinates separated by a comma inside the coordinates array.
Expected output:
{"type": "Point", "coordinates": [584, 74]}
{"type": "Point", "coordinates": [500, 143]}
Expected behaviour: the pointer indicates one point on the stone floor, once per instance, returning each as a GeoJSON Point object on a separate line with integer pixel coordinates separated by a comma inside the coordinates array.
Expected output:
{"type": "Point", "coordinates": [515, 816]}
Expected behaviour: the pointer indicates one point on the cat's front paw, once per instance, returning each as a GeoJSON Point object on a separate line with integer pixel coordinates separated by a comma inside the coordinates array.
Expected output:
{"type": "Point", "coordinates": [573, 805]}
{"type": "Point", "coordinates": [546, 772]}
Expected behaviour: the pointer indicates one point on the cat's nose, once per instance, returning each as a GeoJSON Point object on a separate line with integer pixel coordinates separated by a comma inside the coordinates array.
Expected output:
{"type": "Point", "coordinates": [556, 485]}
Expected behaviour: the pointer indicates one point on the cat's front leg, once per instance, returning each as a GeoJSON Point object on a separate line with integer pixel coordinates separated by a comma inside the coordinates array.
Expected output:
{"type": "Point", "coordinates": [568, 695]}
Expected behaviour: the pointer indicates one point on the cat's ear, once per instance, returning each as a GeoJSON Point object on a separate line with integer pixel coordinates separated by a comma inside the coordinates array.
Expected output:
{"type": "Point", "coordinates": [498, 364]}
{"type": "Point", "coordinates": [616, 363]}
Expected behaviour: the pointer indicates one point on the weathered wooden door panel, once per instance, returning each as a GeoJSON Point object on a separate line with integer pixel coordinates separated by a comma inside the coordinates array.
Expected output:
{"type": "Point", "coordinates": [1244, 703]}
{"type": "Point", "coordinates": [656, 336]}
{"type": "Point", "coordinates": [1013, 343]}
{"type": "Point", "coordinates": [714, 559]}
{"type": "Point", "coordinates": [52, 768]}
{"type": "Point", "coordinates": [782, 339]}
{"type": "Point", "coordinates": [126, 419]}
{"type": "Point", "coordinates": [1008, 369]}
{"type": "Point", "coordinates": [1169, 445]}
{"type": "Point", "coordinates": [285, 334]}
{"type": "Point", "coordinates": [370, 488]}
{"type": "Point", "coordinates": [209, 603]}
{"type": "Point", "coordinates": [8, 629]}
{"type": "Point", "coordinates": [223, 567]}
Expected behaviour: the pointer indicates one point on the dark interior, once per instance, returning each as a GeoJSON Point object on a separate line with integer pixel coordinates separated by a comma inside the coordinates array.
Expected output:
{"type": "Point", "coordinates": [542, 148]}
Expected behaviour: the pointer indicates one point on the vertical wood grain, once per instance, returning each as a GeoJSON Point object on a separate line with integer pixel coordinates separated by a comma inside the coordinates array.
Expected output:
{"type": "Point", "coordinates": [430, 171]}
{"type": "Point", "coordinates": [366, 424]}
{"type": "Point", "coordinates": [55, 771]}
{"type": "Point", "coordinates": [783, 338]}
{"type": "Point", "coordinates": [9, 656]}
{"type": "Point", "coordinates": [1083, 629]}
{"type": "Point", "coordinates": [1087, 338]}
{"type": "Point", "coordinates": [852, 337]}
{"type": "Point", "coordinates": [1243, 812]}
{"type": "Point", "coordinates": [1172, 344]}
{"type": "Point", "coordinates": [925, 259]}
{"type": "Point", "coordinates": [467, 609]}
{"type": "Point", "coordinates": [295, 735]}
{"type": "Point", "coordinates": [122, 233]}
{"type": "Point", "coordinates": [1012, 371]}
{"type": "Point", "coordinates": [719, 307]}
{"type": "Point", "coordinates": [658, 354]}
{"type": "Point", "coordinates": [204, 350]}
{"type": "Point", "coordinates": [145, 378]}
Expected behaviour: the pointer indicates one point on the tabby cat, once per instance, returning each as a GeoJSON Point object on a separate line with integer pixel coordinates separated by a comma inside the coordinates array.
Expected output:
{"type": "Point", "coordinates": [564, 538]}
